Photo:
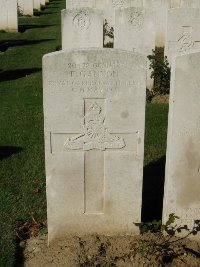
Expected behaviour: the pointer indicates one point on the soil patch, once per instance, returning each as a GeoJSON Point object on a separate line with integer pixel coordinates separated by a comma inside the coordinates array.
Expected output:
{"type": "Point", "coordinates": [104, 251]}
{"type": "Point", "coordinates": [160, 99]}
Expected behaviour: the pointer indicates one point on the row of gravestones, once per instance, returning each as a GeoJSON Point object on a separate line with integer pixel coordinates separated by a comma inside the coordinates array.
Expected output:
{"type": "Point", "coordinates": [10, 9]}
{"type": "Point", "coordinates": [94, 122]}
{"type": "Point", "coordinates": [135, 28]}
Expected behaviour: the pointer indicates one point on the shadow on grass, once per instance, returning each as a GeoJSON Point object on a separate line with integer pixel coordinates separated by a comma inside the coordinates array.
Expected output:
{"type": "Point", "coordinates": [5, 44]}
{"type": "Point", "coordinates": [153, 190]}
{"type": "Point", "coordinates": [19, 255]}
{"type": "Point", "coordinates": [17, 74]}
{"type": "Point", "coordinates": [23, 27]}
{"type": "Point", "coordinates": [7, 151]}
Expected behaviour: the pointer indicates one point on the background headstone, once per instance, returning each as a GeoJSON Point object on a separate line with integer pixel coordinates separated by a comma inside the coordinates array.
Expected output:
{"type": "Point", "coordinates": [175, 3]}
{"type": "Point", "coordinates": [137, 3]}
{"type": "Point", "coordinates": [182, 179]}
{"type": "Point", "coordinates": [82, 27]}
{"type": "Point", "coordinates": [109, 6]}
{"type": "Point", "coordinates": [26, 7]}
{"type": "Point", "coordinates": [160, 8]}
{"type": "Point", "coordinates": [135, 31]}
{"type": "Point", "coordinates": [80, 3]}
{"type": "Point", "coordinates": [183, 31]}
{"type": "Point", "coordinates": [94, 112]}
{"type": "Point", "coordinates": [36, 4]}
{"type": "Point", "coordinates": [8, 15]}
{"type": "Point", "coordinates": [42, 2]}
{"type": "Point", "coordinates": [190, 3]}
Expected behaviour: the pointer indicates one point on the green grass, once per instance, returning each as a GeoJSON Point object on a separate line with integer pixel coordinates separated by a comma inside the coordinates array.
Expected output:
{"type": "Point", "coordinates": [21, 124]}
{"type": "Point", "coordinates": [155, 132]}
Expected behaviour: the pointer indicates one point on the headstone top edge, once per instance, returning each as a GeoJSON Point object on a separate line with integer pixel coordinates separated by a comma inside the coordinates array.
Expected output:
{"type": "Point", "coordinates": [92, 49]}
{"type": "Point", "coordinates": [77, 9]}
{"type": "Point", "coordinates": [183, 55]}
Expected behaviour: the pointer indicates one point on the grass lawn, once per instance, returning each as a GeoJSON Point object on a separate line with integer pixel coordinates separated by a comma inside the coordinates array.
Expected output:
{"type": "Point", "coordinates": [22, 176]}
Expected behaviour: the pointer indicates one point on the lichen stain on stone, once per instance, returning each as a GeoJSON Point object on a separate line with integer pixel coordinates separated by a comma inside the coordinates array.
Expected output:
{"type": "Point", "coordinates": [125, 114]}
{"type": "Point", "coordinates": [188, 177]}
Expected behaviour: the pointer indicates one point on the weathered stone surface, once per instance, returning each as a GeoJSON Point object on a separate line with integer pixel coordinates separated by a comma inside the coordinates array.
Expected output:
{"type": "Point", "coordinates": [109, 7]}
{"type": "Point", "coordinates": [183, 31]}
{"type": "Point", "coordinates": [37, 4]}
{"type": "Point", "coordinates": [42, 2]}
{"type": "Point", "coordinates": [80, 3]}
{"type": "Point", "coordinates": [190, 3]}
{"type": "Point", "coordinates": [26, 7]}
{"type": "Point", "coordinates": [137, 27]}
{"type": "Point", "coordinates": [8, 15]}
{"type": "Point", "coordinates": [137, 3]}
{"type": "Point", "coordinates": [82, 28]}
{"type": "Point", "coordinates": [182, 180]}
{"type": "Point", "coordinates": [94, 109]}
{"type": "Point", "coordinates": [175, 3]}
{"type": "Point", "coordinates": [160, 8]}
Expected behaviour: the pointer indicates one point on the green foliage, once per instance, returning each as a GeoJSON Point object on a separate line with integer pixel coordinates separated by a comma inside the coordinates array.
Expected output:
{"type": "Point", "coordinates": [149, 95]}
{"type": "Point", "coordinates": [161, 71]}
{"type": "Point", "coordinates": [166, 247]}
{"type": "Point", "coordinates": [108, 31]}
{"type": "Point", "coordinates": [19, 11]}
{"type": "Point", "coordinates": [22, 176]}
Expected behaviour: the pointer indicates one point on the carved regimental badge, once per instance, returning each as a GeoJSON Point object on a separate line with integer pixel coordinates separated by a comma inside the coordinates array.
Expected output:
{"type": "Point", "coordinates": [136, 19]}
{"type": "Point", "coordinates": [185, 42]}
{"type": "Point", "coordinates": [118, 3]}
{"type": "Point", "coordinates": [94, 134]}
{"type": "Point", "coordinates": [82, 21]}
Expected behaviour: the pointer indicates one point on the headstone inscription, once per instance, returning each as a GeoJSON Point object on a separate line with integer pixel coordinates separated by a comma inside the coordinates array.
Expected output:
{"type": "Point", "coordinates": [82, 27]}
{"type": "Point", "coordinates": [137, 27]}
{"type": "Point", "coordinates": [183, 32]}
{"type": "Point", "coordinates": [94, 109]}
{"type": "Point", "coordinates": [26, 7]}
{"type": "Point", "coordinates": [182, 179]}
{"type": "Point", "coordinates": [8, 15]}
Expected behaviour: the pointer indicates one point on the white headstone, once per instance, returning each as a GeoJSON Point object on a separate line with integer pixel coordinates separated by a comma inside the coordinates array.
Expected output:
{"type": "Point", "coordinates": [135, 31]}
{"type": "Point", "coordinates": [175, 3]}
{"type": "Point", "coordinates": [8, 15]}
{"type": "Point", "coordinates": [183, 31]}
{"type": "Point", "coordinates": [26, 7]}
{"type": "Point", "coordinates": [82, 28]}
{"type": "Point", "coordinates": [36, 4]}
{"type": "Point", "coordinates": [109, 7]}
{"type": "Point", "coordinates": [80, 3]}
{"type": "Point", "coordinates": [137, 3]}
{"type": "Point", "coordinates": [182, 179]}
{"type": "Point", "coordinates": [42, 2]}
{"type": "Point", "coordinates": [160, 8]}
{"type": "Point", "coordinates": [94, 111]}
{"type": "Point", "coordinates": [190, 3]}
